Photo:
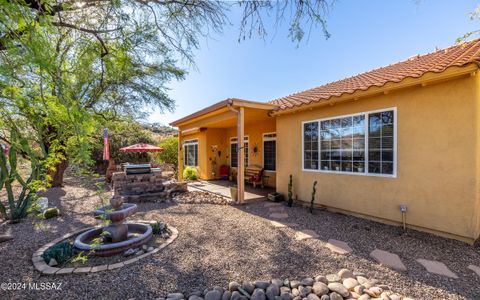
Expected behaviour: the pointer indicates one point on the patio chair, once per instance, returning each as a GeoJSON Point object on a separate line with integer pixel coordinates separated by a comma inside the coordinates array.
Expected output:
{"type": "Point", "coordinates": [224, 172]}
{"type": "Point", "coordinates": [254, 175]}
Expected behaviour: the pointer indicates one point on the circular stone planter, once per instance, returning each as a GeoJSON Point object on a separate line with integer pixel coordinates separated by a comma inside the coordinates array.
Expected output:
{"type": "Point", "coordinates": [144, 235]}
{"type": "Point", "coordinates": [41, 266]}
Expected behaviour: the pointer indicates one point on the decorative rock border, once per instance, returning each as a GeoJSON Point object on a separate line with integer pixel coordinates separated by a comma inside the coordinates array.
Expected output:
{"type": "Point", "coordinates": [41, 266]}
{"type": "Point", "coordinates": [343, 285]}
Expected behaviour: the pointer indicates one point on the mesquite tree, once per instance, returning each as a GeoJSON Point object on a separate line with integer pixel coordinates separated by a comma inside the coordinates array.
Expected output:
{"type": "Point", "coordinates": [66, 66]}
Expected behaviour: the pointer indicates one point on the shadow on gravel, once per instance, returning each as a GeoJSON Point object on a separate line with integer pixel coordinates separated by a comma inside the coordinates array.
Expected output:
{"type": "Point", "coordinates": [363, 236]}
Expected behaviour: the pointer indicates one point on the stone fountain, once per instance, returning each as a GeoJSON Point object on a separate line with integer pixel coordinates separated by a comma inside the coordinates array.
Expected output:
{"type": "Point", "coordinates": [118, 236]}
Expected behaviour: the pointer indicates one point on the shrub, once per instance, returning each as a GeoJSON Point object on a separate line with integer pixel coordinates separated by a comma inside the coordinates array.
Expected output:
{"type": "Point", "coordinates": [190, 173]}
{"type": "Point", "coordinates": [159, 227]}
{"type": "Point", "coordinates": [61, 252]}
{"type": "Point", "coordinates": [170, 151]}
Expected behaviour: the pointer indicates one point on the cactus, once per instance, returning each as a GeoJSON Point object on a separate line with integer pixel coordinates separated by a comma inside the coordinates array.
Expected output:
{"type": "Point", "coordinates": [18, 208]}
{"type": "Point", "coordinates": [290, 191]}
{"type": "Point", "coordinates": [314, 191]}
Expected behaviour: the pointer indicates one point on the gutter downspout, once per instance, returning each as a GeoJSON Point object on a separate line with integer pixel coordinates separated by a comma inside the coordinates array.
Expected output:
{"type": "Point", "coordinates": [240, 147]}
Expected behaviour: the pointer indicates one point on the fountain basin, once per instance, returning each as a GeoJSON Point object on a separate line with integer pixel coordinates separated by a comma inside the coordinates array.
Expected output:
{"type": "Point", "coordinates": [138, 234]}
{"type": "Point", "coordinates": [109, 213]}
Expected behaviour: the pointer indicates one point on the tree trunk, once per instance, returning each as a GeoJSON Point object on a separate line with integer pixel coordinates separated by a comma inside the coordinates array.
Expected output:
{"type": "Point", "coordinates": [57, 175]}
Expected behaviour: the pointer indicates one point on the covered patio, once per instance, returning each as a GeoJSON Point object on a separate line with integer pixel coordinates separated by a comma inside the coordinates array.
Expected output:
{"type": "Point", "coordinates": [233, 133]}
{"type": "Point", "coordinates": [222, 188]}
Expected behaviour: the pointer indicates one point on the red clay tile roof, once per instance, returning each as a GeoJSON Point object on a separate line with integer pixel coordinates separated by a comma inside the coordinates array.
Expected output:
{"type": "Point", "coordinates": [416, 66]}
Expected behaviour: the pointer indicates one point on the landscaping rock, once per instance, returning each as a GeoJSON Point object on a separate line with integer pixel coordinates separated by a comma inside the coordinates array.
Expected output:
{"type": "Point", "coordinates": [307, 281]}
{"type": "Point", "coordinates": [233, 286]}
{"type": "Point", "coordinates": [213, 295]}
{"type": "Point", "coordinates": [350, 283]}
{"type": "Point", "coordinates": [345, 273]}
{"type": "Point", "coordinates": [359, 289]}
{"type": "Point", "coordinates": [312, 297]}
{"type": "Point", "coordinates": [226, 295]}
{"type": "Point", "coordinates": [130, 252]}
{"type": "Point", "coordinates": [51, 213]}
{"type": "Point", "coordinates": [285, 289]}
{"type": "Point", "coordinates": [320, 288]}
{"type": "Point", "coordinates": [262, 284]}
{"type": "Point", "coordinates": [177, 296]}
{"type": "Point", "coordinates": [272, 291]}
{"type": "Point", "coordinates": [248, 287]}
{"type": "Point", "coordinates": [150, 249]}
{"type": "Point", "coordinates": [195, 297]}
{"type": "Point", "coordinates": [364, 297]}
{"type": "Point", "coordinates": [53, 262]}
{"type": "Point", "coordinates": [325, 297]}
{"type": "Point", "coordinates": [304, 291]}
{"type": "Point", "coordinates": [333, 278]}
{"type": "Point", "coordinates": [258, 294]}
{"type": "Point", "coordinates": [339, 288]}
{"type": "Point", "coordinates": [236, 295]}
{"type": "Point", "coordinates": [294, 283]}
{"type": "Point", "coordinates": [244, 292]}
{"type": "Point", "coordinates": [280, 282]}
{"type": "Point", "coordinates": [285, 296]}
{"type": "Point", "coordinates": [335, 296]}
{"type": "Point", "coordinates": [321, 278]}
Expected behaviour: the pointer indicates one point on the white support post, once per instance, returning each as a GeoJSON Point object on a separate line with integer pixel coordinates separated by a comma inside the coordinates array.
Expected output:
{"type": "Point", "coordinates": [241, 155]}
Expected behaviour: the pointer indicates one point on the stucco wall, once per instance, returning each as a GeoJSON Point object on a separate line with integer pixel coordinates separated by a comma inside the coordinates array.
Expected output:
{"type": "Point", "coordinates": [221, 138]}
{"type": "Point", "coordinates": [255, 135]}
{"type": "Point", "coordinates": [436, 159]}
{"type": "Point", "coordinates": [202, 153]}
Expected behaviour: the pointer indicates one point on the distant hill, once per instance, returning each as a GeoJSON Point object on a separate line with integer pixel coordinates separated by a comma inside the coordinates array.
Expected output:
{"type": "Point", "coordinates": [160, 131]}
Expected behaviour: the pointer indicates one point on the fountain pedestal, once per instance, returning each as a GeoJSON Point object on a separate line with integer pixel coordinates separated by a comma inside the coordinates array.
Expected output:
{"type": "Point", "coordinates": [117, 236]}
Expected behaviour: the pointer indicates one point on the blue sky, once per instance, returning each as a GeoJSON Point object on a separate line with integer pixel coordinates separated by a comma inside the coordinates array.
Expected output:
{"type": "Point", "coordinates": [364, 35]}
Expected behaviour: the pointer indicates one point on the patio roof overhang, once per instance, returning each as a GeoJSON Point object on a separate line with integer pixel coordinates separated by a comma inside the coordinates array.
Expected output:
{"type": "Point", "coordinates": [222, 111]}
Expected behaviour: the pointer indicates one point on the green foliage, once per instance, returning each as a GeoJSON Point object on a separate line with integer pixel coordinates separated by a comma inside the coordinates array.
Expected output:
{"type": "Point", "coordinates": [51, 213]}
{"type": "Point", "coordinates": [18, 204]}
{"type": "Point", "coordinates": [290, 191]}
{"type": "Point", "coordinates": [122, 134]}
{"type": "Point", "coordinates": [69, 67]}
{"type": "Point", "coordinates": [190, 173]}
{"type": "Point", "coordinates": [61, 252]}
{"type": "Point", "coordinates": [159, 227]}
{"type": "Point", "coordinates": [170, 151]}
{"type": "Point", "coordinates": [314, 191]}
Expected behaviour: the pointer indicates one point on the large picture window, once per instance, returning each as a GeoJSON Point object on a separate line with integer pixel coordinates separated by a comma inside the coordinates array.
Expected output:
{"type": "Point", "coordinates": [269, 151]}
{"type": "Point", "coordinates": [361, 143]}
{"type": "Point", "coordinates": [234, 151]}
{"type": "Point", "coordinates": [190, 152]}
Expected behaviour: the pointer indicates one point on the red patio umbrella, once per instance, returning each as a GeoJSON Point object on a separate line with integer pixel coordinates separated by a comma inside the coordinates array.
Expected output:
{"type": "Point", "coordinates": [141, 148]}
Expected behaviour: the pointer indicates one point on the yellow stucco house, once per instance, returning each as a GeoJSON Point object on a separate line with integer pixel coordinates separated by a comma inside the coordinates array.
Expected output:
{"type": "Point", "coordinates": [405, 134]}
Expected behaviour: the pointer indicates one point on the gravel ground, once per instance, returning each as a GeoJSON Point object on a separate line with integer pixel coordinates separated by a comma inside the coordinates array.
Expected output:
{"type": "Point", "coordinates": [221, 243]}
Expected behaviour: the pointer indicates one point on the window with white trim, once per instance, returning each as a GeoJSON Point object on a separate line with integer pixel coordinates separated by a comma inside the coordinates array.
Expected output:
{"type": "Point", "coordinates": [269, 151]}
{"type": "Point", "coordinates": [234, 151]}
{"type": "Point", "coordinates": [190, 152]}
{"type": "Point", "coordinates": [360, 143]}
